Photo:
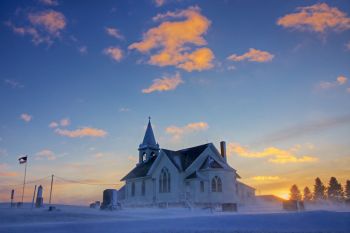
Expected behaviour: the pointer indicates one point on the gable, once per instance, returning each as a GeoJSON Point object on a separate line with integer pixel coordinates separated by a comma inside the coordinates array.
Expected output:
{"type": "Point", "coordinates": [210, 163]}
{"type": "Point", "coordinates": [182, 159]}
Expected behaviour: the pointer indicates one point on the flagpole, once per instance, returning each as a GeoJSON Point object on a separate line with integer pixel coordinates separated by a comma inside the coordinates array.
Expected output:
{"type": "Point", "coordinates": [24, 180]}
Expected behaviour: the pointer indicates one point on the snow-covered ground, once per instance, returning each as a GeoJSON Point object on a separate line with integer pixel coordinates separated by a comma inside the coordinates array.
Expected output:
{"type": "Point", "coordinates": [82, 219]}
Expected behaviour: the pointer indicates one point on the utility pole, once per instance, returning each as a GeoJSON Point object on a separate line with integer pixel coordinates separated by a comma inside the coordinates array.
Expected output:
{"type": "Point", "coordinates": [33, 196]}
{"type": "Point", "coordinates": [51, 189]}
{"type": "Point", "coordinates": [24, 180]}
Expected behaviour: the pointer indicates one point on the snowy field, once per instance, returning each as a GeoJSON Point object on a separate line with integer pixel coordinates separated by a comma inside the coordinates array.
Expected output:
{"type": "Point", "coordinates": [73, 219]}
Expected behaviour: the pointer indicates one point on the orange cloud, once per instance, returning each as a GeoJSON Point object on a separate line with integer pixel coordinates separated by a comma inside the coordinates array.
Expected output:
{"type": "Point", "coordinates": [82, 132]}
{"type": "Point", "coordinates": [114, 32]}
{"type": "Point", "coordinates": [164, 84]}
{"type": "Point", "coordinates": [114, 52]}
{"type": "Point", "coordinates": [52, 21]}
{"type": "Point", "coordinates": [172, 41]}
{"type": "Point", "coordinates": [318, 18]}
{"type": "Point", "coordinates": [341, 80]}
{"type": "Point", "coordinates": [43, 26]}
{"type": "Point", "coordinates": [65, 122]}
{"type": "Point", "coordinates": [265, 178]}
{"type": "Point", "coordinates": [177, 132]}
{"type": "Point", "coordinates": [253, 55]}
{"type": "Point", "coordinates": [26, 117]}
{"type": "Point", "coordinates": [274, 154]}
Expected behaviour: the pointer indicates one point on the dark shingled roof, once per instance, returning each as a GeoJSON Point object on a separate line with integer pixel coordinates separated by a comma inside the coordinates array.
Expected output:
{"type": "Point", "coordinates": [182, 159]}
{"type": "Point", "coordinates": [140, 170]}
{"type": "Point", "coordinates": [186, 156]}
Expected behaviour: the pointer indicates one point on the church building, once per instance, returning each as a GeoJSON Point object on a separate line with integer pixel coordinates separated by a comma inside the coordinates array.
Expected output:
{"type": "Point", "coordinates": [195, 176]}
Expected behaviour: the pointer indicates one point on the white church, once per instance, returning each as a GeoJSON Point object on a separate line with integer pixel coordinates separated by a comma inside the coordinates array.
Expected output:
{"type": "Point", "coordinates": [196, 176]}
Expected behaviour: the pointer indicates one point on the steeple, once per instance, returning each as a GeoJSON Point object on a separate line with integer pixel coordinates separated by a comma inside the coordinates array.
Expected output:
{"type": "Point", "coordinates": [148, 139]}
{"type": "Point", "coordinates": [149, 147]}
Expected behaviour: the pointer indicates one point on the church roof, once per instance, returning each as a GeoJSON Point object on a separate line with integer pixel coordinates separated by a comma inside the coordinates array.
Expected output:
{"type": "Point", "coordinates": [185, 157]}
{"type": "Point", "coordinates": [182, 159]}
{"type": "Point", "coordinates": [149, 139]}
{"type": "Point", "coordinates": [140, 170]}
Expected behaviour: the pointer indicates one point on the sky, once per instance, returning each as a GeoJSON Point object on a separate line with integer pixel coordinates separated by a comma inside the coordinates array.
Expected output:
{"type": "Point", "coordinates": [79, 81]}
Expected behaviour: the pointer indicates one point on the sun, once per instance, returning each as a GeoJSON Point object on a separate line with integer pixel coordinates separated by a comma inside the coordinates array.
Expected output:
{"type": "Point", "coordinates": [285, 196]}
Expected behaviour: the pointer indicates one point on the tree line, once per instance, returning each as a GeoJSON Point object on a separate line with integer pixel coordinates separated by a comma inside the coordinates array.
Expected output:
{"type": "Point", "coordinates": [333, 192]}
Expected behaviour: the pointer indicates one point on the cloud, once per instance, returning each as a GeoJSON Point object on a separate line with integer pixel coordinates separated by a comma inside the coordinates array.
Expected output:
{"type": "Point", "coordinates": [13, 83]}
{"type": "Point", "coordinates": [254, 55]}
{"type": "Point", "coordinates": [124, 109]}
{"type": "Point", "coordinates": [159, 3]}
{"type": "Point", "coordinates": [65, 122]}
{"type": "Point", "coordinates": [83, 50]}
{"type": "Point", "coordinates": [341, 80]}
{"type": "Point", "coordinates": [53, 124]}
{"type": "Point", "coordinates": [114, 52]}
{"type": "Point", "coordinates": [26, 117]}
{"type": "Point", "coordinates": [49, 2]}
{"type": "Point", "coordinates": [81, 132]}
{"type": "Point", "coordinates": [306, 128]}
{"type": "Point", "coordinates": [43, 26]}
{"type": "Point", "coordinates": [178, 132]}
{"type": "Point", "coordinates": [318, 18]}
{"type": "Point", "coordinates": [274, 154]}
{"type": "Point", "coordinates": [173, 41]}
{"type": "Point", "coordinates": [265, 178]}
{"type": "Point", "coordinates": [114, 32]}
{"type": "Point", "coordinates": [164, 84]}
{"type": "Point", "coordinates": [45, 154]}
{"type": "Point", "coordinates": [52, 21]}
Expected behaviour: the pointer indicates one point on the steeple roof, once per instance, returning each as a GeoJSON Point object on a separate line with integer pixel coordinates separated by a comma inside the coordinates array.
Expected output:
{"type": "Point", "coordinates": [149, 139]}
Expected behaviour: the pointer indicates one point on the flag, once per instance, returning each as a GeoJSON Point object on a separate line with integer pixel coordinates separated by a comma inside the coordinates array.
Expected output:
{"type": "Point", "coordinates": [23, 159]}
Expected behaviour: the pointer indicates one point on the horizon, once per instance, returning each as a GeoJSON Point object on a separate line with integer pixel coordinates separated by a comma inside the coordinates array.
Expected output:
{"type": "Point", "coordinates": [271, 79]}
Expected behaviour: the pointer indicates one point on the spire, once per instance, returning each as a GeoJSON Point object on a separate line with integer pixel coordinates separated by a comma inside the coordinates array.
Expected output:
{"type": "Point", "coordinates": [149, 140]}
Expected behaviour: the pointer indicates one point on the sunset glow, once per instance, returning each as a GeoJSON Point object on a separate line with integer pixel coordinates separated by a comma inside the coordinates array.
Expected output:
{"type": "Point", "coordinates": [77, 85]}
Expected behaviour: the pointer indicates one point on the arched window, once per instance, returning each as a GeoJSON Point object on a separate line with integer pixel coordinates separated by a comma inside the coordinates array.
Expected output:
{"type": "Point", "coordinates": [132, 189]}
{"type": "Point", "coordinates": [144, 155]}
{"type": "Point", "coordinates": [143, 188]}
{"type": "Point", "coordinates": [164, 181]}
{"type": "Point", "coordinates": [216, 184]}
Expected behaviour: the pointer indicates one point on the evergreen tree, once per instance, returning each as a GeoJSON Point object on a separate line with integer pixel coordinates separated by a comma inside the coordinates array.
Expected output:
{"type": "Point", "coordinates": [319, 190]}
{"type": "Point", "coordinates": [347, 190]}
{"type": "Point", "coordinates": [295, 193]}
{"type": "Point", "coordinates": [307, 194]}
{"type": "Point", "coordinates": [334, 190]}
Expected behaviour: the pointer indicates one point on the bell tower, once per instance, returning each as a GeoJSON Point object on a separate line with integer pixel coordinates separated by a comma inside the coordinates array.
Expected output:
{"type": "Point", "coordinates": [149, 147]}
